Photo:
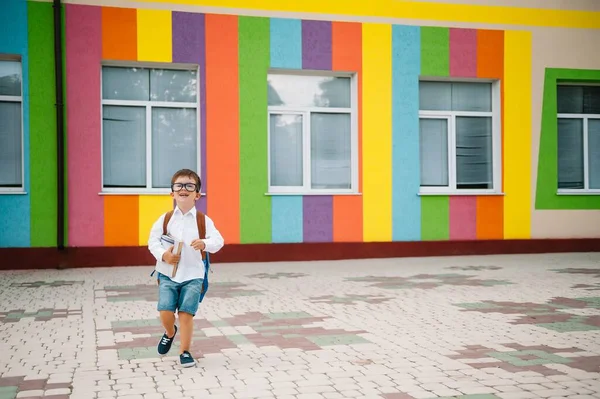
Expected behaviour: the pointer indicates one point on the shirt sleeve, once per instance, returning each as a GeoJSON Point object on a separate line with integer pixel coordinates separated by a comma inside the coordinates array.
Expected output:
{"type": "Point", "coordinates": [154, 245]}
{"type": "Point", "coordinates": [213, 241]}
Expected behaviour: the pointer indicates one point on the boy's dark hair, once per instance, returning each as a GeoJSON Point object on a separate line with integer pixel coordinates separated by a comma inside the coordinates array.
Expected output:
{"type": "Point", "coordinates": [187, 173]}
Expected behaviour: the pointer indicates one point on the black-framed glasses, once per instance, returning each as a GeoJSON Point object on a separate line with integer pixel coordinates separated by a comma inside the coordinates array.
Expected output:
{"type": "Point", "coordinates": [191, 187]}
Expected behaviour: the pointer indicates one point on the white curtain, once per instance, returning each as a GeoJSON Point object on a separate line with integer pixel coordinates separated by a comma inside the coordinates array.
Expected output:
{"type": "Point", "coordinates": [286, 149]}
{"type": "Point", "coordinates": [173, 143]}
{"type": "Point", "coordinates": [594, 152]}
{"type": "Point", "coordinates": [10, 144]}
{"type": "Point", "coordinates": [124, 146]}
{"type": "Point", "coordinates": [474, 166]}
{"type": "Point", "coordinates": [570, 153]}
{"type": "Point", "coordinates": [330, 151]}
{"type": "Point", "coordinates": [433, 140]}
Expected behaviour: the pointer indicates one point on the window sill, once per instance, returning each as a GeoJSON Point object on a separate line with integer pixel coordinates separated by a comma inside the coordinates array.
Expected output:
{"type": "Point", "coordinates": [139, 193]}
{"type": "Point", "coordinates": [579, 192]}
{"type": "Point", "coordinates": [458, 193]}
{"type": "Point", "coordinates": [312, 193]}
{"type": "Point", "coordinates": [16, 192]}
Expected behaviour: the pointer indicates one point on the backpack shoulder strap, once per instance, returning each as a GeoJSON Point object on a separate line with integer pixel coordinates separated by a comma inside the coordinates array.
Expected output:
{"type": "Point", "coordinates": [201, 221]}
{"type": "Point", "coordinates": [166, 221]}
{"type": "Point", "coordinates": [201, 225]}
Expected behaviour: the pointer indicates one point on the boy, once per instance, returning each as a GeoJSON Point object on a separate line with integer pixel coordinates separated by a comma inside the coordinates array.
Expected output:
{"type": "Point", "coordinates": [181, 293]}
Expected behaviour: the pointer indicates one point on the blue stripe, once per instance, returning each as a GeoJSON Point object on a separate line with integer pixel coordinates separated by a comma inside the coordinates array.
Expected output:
{"type": "Point", "coordinates": [406, 66]}
{"type": "Point", "coordinates": [286, 214]}
{"type": "Point", "coordinates": [286, 43]}
{"type": "Point", "coordinates": [15, 208]}
{"type": "Point", "coordinates": [286, 52]}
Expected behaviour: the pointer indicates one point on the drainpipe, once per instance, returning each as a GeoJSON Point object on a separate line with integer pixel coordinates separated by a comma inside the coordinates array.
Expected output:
{"type": "Point", "coordinates": [60, 162]}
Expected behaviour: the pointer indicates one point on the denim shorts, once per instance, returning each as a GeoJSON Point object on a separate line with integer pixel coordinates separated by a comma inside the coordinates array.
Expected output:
{"type": "Point", "coordinates": [183, 297]}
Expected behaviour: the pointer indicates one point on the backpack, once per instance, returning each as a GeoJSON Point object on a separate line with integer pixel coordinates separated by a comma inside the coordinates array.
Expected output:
{"type": "Point", "coordinates": [201, 221]}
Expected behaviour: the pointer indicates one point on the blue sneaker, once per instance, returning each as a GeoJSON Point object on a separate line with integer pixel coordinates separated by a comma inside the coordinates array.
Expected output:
{"type": "Point", "coordinates": [164, 345]}
{"type": "Point", "coordinates": [186, 359]}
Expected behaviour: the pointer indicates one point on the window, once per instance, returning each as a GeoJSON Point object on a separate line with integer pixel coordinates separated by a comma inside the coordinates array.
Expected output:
{"type": "Point", "coordinates": [578, 139]}
{"type": "Point", "coordinates": [11, 131]}
{"type": "Point", "coordinates": [459, 135]}
{"type": "Point", "coordinates": [312, 134]}
{"type": "Point", "coordinates": [149, 127]}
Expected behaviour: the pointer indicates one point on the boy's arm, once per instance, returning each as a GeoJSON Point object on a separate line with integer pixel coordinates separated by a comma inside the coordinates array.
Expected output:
{"type": "Point", "coordinates": [214, 240]}
{"type": "Point", "coordinates": [154, 245]}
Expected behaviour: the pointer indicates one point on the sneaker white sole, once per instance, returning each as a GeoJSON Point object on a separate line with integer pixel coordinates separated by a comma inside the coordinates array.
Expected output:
{"type": "Point", "coordinates": [192, 364]}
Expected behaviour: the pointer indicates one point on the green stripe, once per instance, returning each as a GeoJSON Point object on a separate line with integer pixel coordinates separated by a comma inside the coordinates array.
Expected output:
{"type": "Point", "coordinates": [435, 218]}
{"type": "Point", "coordinates": [547, 180]}
{"type": "Point", "coordinates": [255, 206]}
{"type": "Point", "coordinates": [435, 51]}
{"type": "Point", "coordinates": [42, 119]}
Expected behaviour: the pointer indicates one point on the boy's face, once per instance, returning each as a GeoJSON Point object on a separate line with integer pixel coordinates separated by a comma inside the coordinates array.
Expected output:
{"type": "Point", "coordinates": [183, 197]}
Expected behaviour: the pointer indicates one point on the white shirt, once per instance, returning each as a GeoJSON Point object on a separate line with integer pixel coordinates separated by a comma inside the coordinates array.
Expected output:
{"type": "Point", "coordinates": [184, 228]}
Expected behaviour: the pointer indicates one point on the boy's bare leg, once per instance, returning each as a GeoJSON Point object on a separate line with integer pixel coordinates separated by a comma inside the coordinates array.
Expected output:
{"type": "Point", "coordinates": [186, 328]}
{"type": "Point", "coordinates": [167, 319]}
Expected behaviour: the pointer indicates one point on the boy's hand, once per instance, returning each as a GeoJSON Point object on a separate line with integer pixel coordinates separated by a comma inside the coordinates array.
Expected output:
{"type": "Point", "coordinates": [170, 258]}
{"type": "Point", "coordinates": [198, 245]}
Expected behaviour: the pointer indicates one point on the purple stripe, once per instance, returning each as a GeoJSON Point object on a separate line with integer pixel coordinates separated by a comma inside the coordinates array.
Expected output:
{"type": "Point", "coordinates": [318, 218]}
{"type": "Point", "coordinates": [316, 54]}
{"type": "Point", "coordinates": [189, 47]}
{"type": "Point", "coordinates": [316, 45]}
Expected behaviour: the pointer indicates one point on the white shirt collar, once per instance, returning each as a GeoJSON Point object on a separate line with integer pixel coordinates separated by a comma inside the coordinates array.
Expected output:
{"type": "Point", "coordinates": [191, 211]}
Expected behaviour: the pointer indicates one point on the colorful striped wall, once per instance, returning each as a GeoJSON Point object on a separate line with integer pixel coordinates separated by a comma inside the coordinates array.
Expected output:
{"type": "Point", "coordinates": [234, 54]}
{"type": "Point", "coordinates": [29, 219]}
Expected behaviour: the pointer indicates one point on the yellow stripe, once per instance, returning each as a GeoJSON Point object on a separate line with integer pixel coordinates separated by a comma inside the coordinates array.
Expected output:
{"type": "Point", "coordinates": [150, 208]}
{"type": "Point", "coordinates": [517, 134]}
{"type": "Point", "coordinates": [467, 13]}
{"type": "Point", "coordinates": [377, 128]}
{"type": "Point", "coordinates": [154, 35]}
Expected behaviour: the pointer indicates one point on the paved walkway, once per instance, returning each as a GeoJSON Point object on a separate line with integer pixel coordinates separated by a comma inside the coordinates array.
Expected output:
{"type": "Point", "coordinates": [469, 327]}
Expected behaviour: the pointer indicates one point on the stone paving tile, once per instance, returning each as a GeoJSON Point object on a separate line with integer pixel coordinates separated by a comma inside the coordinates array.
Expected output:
{"type": "Point", "coordinates": [426, 281]}
{"type": "Point", "coordinates": [552, 315]}
{"type": "Point", "coordinates": [497, 327]}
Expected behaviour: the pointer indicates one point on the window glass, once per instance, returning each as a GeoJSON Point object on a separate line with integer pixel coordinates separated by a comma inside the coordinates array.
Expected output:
{"type": "Point", "coordinates": [124, 146]}
{"type": "Point", "coordinates": [10, 78]}
{"type": "Point", "coordinates": [125, 84]}
{"type": "Point", "coordinates": [330, 151]}
{"type": "Point", "coordinates": [570, 154]}
{"type": "Point", "coordinates": [11, 174]}
{"type": "Point", "coordinates": [594, 152]}
{"type": "Point", "coordinates": [173, 143]}
{"type": "Point", "coordinates": [173, 85]}
{"type": "Point", "coordinates": [433, 139]}
{"type": "Point", "coordinates": [474, 157]}
{"type": "Point", "coordinates": [286, 149]}
{"type": "Point", "coordinates": [308, 91]}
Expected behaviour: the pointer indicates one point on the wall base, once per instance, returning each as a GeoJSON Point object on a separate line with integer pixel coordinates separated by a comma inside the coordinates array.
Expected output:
{"type": "Point", "coordinates": [73, 257]}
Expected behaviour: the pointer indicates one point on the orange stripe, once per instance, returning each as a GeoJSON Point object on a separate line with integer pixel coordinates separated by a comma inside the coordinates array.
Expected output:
{"type": "Point", "coordinates": [121, 220]}
{"type": "Point", "coordinates": [490, 217]}
{"type": "Point", "coordinates": [222, 125]}
{"type": "Point", "coordinates": [347, 56]}
{"type": "Point", "coordinates": [490, 64]}
{"type": "Point", "coordinates": [119, 33]}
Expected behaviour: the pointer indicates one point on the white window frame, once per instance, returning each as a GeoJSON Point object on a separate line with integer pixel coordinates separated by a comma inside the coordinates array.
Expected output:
{"type": "Point", "coordinates": [148, 108]}
{"type": "Point", "coordinates": [450, 116]}
{"type": "Point", "coordinates": [306, 188]}
{"type": "Point", "coordinates": [16, 99]}
{"type": "Point", "coordinates": [586, 190]}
